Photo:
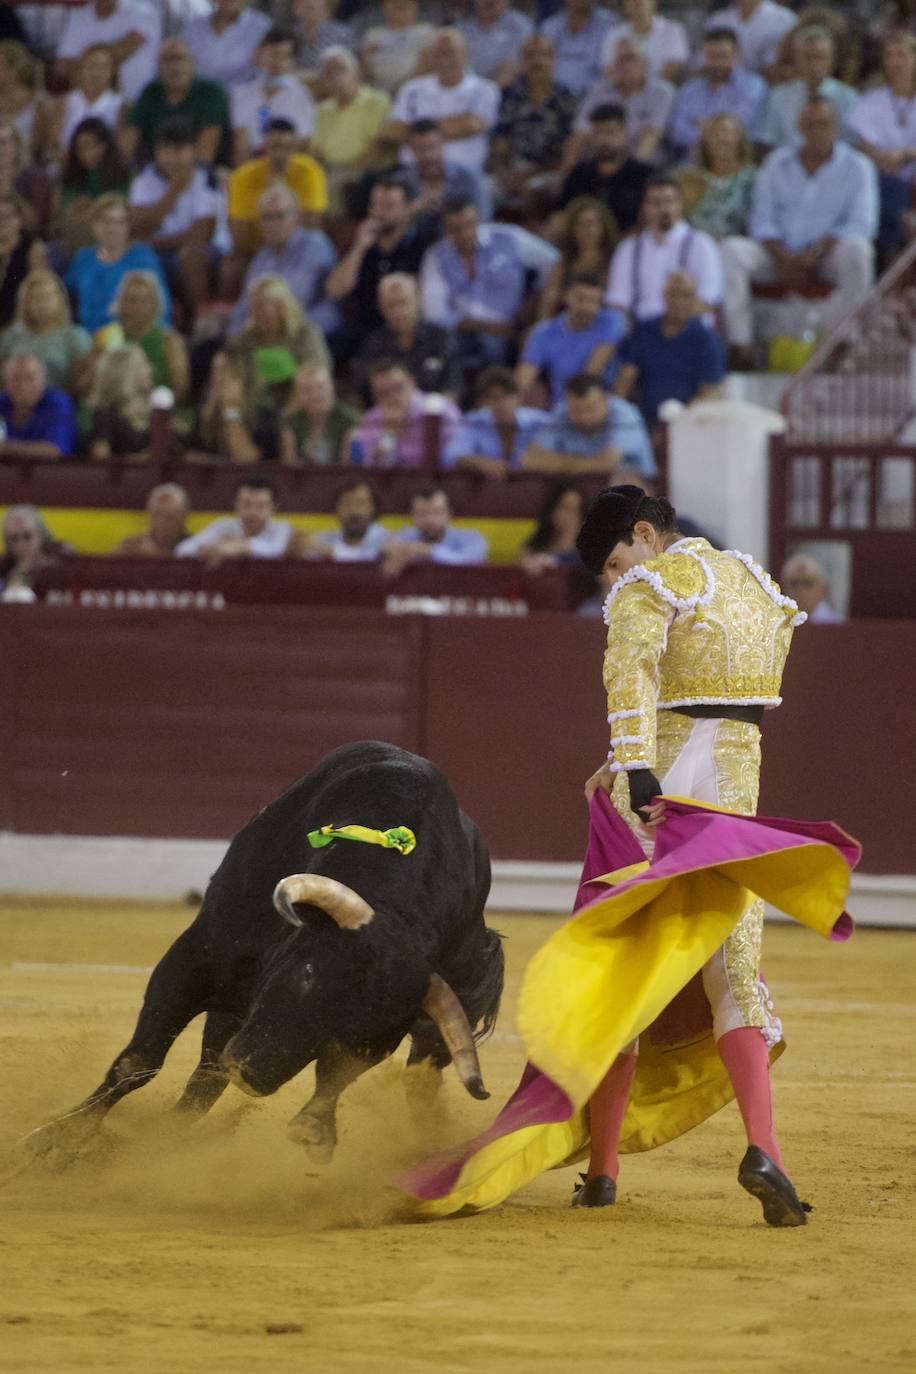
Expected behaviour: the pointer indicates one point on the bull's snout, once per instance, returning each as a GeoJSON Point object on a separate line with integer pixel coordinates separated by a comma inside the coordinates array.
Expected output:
{"type": "Point", "coordinates": [237, 1076]}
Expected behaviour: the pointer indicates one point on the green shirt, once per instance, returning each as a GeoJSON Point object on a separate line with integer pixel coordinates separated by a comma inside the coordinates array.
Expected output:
{"type": "Point", "coordinates": [340, 421]}
{"type": "Point", "coordinates": [204, 105]}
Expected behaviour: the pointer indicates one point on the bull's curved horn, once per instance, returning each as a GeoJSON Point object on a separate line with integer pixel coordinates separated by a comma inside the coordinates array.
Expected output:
{"type": "Point", "coordinates": [340, 902]}
{"type": "Point", "coordinates": [442, 1006]}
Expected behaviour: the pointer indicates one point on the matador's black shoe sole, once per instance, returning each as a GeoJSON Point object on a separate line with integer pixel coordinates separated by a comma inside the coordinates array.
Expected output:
{"type": "Point", "coordinates": [600, 1191]}
{"type": "Point", "coordinates": [764, 1180]}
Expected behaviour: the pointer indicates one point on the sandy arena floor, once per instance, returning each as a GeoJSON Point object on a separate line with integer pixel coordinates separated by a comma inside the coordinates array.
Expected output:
{"type": "Point", "coordinates": [218, 1249]}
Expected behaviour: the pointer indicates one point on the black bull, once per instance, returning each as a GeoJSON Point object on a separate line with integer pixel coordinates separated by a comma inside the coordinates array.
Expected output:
{"type": "Point", "coordinates": [382, 945]}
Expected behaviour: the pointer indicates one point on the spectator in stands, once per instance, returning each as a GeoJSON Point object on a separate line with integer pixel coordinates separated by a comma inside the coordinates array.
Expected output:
{"type": "Point", "coordinates": [43, 328]}
{"type": "Point", "coordinates": [426, 350]}
{"type": "Point", "coordinates": [814, 59]}
{"type": "Point", "coordinates": [315, 32]}
{"type": "Point", "coordinates": [723, 87]}
{"type": "Point", "coordinates": [277, 340]}
{"type": "Point", "coordinates": [433, 179]}
{"type": "Point", "coordinates": [138, 311]}
{"type": "Point", "coordinates": [21, 91]}
{"type": "Point", "coordinates": [592, 433]}
{"type": "Point", "coordinates": [28, 547]}
{"type": "Point", "coordinates": [646, 102]}
{"type": "Point", "coordinates": [359, 538]}
{"type": "Point", "coordinates": [431, 537]}
{"type": "Point", "coordinates": [463, 105]}
{"type": "Point", "coordinates": [494, 34]}
{"type": "Point", "coordinates": [815, 212]}
{"type": "Point", "coordinates": [607, 172]}
{"type": "Point", "coordinates": [224, 42]}
{"type": "Point", "coordinates": [128, 28]}
{"type": "Point", "coordinates": [96, 272]}
{"type": "Point", "coordinates": [642, 263]}
{"type": "Point", "coordinates": [251, 533]}
{"type": "Point", "coordinates": [385, 241]}
{"type": "Point", "coordinates": [883, 122]}
{"type": "Point", "coordinates": [120, 402]}
{"type": "Point", "coordinates": [393, 52]}
{"type": "Point", "coordinates": [587, 237]}
{"type": "Point", "coordinates": [675, 357]}
{"type": "Point", "coordinates": [399, 430]}
{"type": "Point", "coordinates": [275, 93]}
{"type": "Point", "coordinates": [92, 96]}
{"type": "Point", "coordinates": [716, 189]}
{"type": "Point", "coordinates": [804, 579]}
{"type": "Point", "coordinates": [348, 123]}
{"type": "Point", "coordinates": [317, 428]}
{"type": "Point", "coordinates": [759, 26]}
{"type": "Point", "coordinates": [491, 439]}
{"type": "Point", "coordinates": [663, 42]}
{"type": "Point", "coordinates": [553, 544]}
{"type": "Point", "coordinates": [28, 182]}
{"type": "Point", "coordinates": [174, 205]}
{"type": "Point", "coordinates": [39, 419]}
{"type": "Point", "coordinates": [232, 421]}
{"type": "Point", "coordinates": [535, 119]}
{"type": "Point", "coordinates": [20, 253]}
{"type": "Point", "coordinates": [279, 163]}
{"type": "Point", "coordinates": [300, 257]}
{"type": "Point", "coordinates": [583, 339]}
{"type": "Point", "coordinates": [92, 168]}
{"type": "Point", "coordinates": [577, 35]}
{"type": "Point", "coordinates": [179, 93]}
{"type": "Point", "coordinates": [167, 508]}
{"type": "Point", "coordinates": [473, 282]}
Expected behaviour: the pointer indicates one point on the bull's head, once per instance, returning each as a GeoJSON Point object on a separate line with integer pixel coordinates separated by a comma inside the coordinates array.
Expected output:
{"type": "Point", "coordinates": [361, 985]}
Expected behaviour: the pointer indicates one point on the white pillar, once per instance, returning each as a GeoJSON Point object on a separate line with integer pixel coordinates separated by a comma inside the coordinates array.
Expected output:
{"type": "Point", "coordinates": [718, 470]}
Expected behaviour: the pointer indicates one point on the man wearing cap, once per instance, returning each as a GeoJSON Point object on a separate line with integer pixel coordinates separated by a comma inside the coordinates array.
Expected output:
{"type": "Point", "coordinates": [697, 641]}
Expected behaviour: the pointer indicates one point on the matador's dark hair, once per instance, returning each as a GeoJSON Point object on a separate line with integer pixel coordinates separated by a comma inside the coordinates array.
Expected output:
{"type": "Point", "coordinates": [611, 519]}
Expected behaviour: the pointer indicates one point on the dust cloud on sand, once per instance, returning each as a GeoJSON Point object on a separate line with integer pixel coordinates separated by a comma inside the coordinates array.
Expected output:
{"type": "Point", "coordinates": [183, 1249]}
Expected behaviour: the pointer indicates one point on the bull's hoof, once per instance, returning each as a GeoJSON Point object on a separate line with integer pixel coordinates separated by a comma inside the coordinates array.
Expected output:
{"type": "Point", "coordinates": [315, 1135]}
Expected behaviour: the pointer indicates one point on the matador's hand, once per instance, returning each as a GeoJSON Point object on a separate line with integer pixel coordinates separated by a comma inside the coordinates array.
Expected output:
{"type": "Point", "coordinates": [604, 779]}
{"type": "Point", "coordinates": [644, 786]}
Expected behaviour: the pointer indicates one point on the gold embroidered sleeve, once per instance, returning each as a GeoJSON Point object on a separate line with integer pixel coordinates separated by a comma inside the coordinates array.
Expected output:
{"type": "Point", "coordinates": [637, 634]}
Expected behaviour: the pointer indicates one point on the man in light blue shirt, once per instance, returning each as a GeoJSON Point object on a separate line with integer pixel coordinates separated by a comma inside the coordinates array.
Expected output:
{"type": "Point", "coordinates": [302, 257]}
{"type": "Point", "coordinates": [494, 35]}
{"type": "Point", "coordinates": [583, 339]}
{"type": "Point", "coordinates": [814, 55]}
{"type": "Point", "coordinates": [430, 538]}
{"type": "Point", "coordinates": [492, 438]}
{"type": "Point", "coordinates": [590, 434]}
{"type": "Point", "coordinates": [723, 87]}
{"type": "Point", "coordinates": [578, 35]}
{"type": "Point", "coordinates": [813, 217]}
{"type": "Point", "coordinates": [359, 538]}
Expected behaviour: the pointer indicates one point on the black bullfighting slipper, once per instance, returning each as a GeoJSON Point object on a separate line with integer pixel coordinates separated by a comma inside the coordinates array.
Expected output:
{"type": "Point", "coordinates": [600, 1191]}
{"type": "Point", "coordinates": [764, 1180]}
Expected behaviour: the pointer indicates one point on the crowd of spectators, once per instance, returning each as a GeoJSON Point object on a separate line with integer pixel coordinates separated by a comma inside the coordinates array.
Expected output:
{"type": "Point", "coordinates": [330, 231]}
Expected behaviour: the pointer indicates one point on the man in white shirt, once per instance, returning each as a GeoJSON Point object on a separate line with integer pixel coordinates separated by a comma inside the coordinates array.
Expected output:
{"type": "Point", "coordinates": [884, 120]}
{"type": "Point", "coordinates": [495, 34]}
{"type": "Point", "coordinates": [663, 42]}
{"type": "Point", "coordinates": [223, 44]}
{"type": "Point", "coordinates": [643, 262]}
{"type": "Point", "coordinates": [251, 533]}
{"type": "Point", "coordinates": [275, 93]}
{"type": "Point", "coordinates": [760, 26]}
{"type": "Point", "coordinates": [463, 105]}
{"type": "Point", "coordinates": [814, 215]}
{"type": "Point", "coordinates": [395, 51]}
{"type": "Point", "coordinates": [647, 103]}
{"type": "Point", "coordinates": [359, 538]}
{"type": "Point", "coordinates": [128, 29]}
{"type": "Point", "coordinates": [174, 206]}
{"type": "Point", "coordinates": [814, 58]}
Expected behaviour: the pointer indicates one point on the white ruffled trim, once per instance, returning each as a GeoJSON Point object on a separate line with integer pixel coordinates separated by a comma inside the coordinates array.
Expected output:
{"type": "Point", "coordinates": [719, 701]}
{"type": "Point", "coordinates": [627, 739]}
{"type": "Point", "coordinates": [628, 767]}
{"type": "Point", "coordinates": [622, 715]}
{"type": "Point", "coordinates": [769, 586]}
{"type": "Point", "coordinates": [640, 573]}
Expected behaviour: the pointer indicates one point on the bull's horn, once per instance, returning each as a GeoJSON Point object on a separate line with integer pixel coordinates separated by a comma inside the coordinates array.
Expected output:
{"type": "Point", "coordinates": [340, 902]}
{"type": "Point", "coordinates": [442, 1006]}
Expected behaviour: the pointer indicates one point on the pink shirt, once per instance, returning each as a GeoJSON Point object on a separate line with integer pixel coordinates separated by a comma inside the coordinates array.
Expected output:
{"type": "Point", "coordinates": [408, 449]}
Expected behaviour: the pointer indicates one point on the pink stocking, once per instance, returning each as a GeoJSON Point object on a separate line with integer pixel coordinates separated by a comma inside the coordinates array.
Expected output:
{"type": "Point", "coordinates": [606, 1111]}
{"type": "Point", "coordinates": [744, 1054]}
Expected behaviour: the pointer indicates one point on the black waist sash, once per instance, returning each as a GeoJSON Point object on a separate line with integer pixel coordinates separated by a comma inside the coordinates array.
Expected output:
{"type": "Point", "coordinates": [753, 715]}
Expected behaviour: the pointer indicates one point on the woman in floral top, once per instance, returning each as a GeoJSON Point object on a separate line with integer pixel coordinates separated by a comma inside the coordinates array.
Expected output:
{"type": "Point", "coordinates": [717, 188]}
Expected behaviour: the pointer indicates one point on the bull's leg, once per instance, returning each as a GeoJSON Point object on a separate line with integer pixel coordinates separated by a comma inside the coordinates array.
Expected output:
{"type": "Point", "coordinates": [175, 994]}
{"type": "Point", "coordinates": [428, 1057]}
{"type": "Point", "coordinates": [315, 1126]}
{"type": "Point", "coordinates": [209, 1079]}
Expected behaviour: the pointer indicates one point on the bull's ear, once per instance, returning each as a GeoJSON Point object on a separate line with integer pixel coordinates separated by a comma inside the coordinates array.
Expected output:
{"type": "Point", "coordinates": [443, 1007]}
{"type": "Point", "coordinates": [341, 903]}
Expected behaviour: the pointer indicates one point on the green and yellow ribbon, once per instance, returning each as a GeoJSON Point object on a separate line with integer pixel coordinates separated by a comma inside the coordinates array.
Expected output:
{"type": "Point", "coordinates": [399, 837]}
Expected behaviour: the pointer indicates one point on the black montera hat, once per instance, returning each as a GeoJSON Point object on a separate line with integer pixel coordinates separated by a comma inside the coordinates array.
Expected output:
{"type": "Point", "coordinates": [611, 518]}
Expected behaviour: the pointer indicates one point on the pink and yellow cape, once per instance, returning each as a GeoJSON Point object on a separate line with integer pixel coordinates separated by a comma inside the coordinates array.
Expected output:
{"type": "Point", "coordinates": [628, 963]}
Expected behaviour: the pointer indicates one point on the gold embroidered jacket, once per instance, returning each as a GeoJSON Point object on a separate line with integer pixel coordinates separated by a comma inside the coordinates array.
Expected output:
{"type": "Point", "coordinates": [693, 626]}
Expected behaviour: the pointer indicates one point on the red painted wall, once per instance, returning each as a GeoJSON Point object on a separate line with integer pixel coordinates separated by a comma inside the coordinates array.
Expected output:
{"type": "Point", "coordinates": [164, 723]}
